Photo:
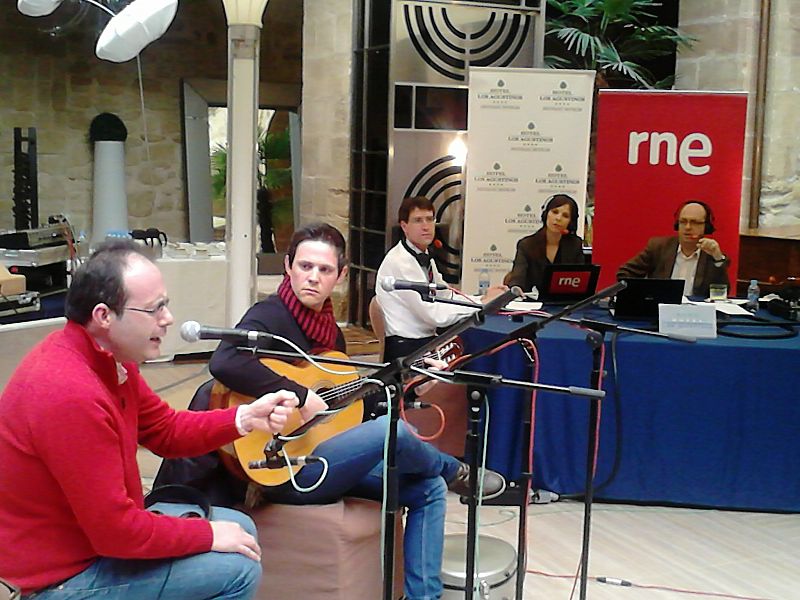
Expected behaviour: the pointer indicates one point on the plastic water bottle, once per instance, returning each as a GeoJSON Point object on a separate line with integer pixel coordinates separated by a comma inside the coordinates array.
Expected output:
{"type": "Point", "coordinates": [753, 294]}
{"type": "Point", "coordinates": [483, 281]}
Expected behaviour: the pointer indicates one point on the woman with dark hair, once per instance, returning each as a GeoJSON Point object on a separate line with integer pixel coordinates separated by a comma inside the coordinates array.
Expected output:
{"type": "Point", "coordinates": [555, 243]}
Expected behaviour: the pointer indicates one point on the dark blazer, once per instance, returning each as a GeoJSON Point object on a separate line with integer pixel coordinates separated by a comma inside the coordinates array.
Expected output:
{"type": "Point", "coordinates": [658, 259]}
{"type": "Point", "coordinates": [531, 258]}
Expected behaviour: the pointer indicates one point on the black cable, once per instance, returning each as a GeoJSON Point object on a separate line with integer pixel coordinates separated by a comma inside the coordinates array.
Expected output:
{"type": "Point", "coordinates": [788, 327]}
{"type": "Point", "coordinates": [617, 399]}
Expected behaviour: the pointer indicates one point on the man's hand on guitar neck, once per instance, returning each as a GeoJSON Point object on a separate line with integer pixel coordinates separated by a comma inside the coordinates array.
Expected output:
{"type": "Point", "coordinates": [268, 413]}
{"type": "Point", "coordinates": [426, 387]}
{"type": "Point", "coordinates": [312, 406]}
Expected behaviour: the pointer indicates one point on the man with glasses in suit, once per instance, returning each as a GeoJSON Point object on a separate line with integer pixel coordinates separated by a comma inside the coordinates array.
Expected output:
{"type": "Point", "coordinates": [690, 255]}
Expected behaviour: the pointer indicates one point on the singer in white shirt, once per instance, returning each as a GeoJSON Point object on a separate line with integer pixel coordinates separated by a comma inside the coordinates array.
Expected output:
{"type": "Point", "coordinates": [411, 322]}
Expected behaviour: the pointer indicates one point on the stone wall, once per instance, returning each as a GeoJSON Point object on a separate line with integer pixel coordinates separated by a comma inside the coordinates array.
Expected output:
{"type": "Point", "coordinates": [725, 58]}
{"type": "Point", "coordinates": [58, 86]}
{"type": "Point", "coordinates": [780, 184]}
{"type": "Point", "coordinates": [327, 61]}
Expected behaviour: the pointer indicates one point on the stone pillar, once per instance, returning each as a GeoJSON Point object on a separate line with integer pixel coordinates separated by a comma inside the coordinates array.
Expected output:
{"type": "Point", "coordinates": [723, 59]}
{"type": "Point", "coordinates": [326, 115]}
{"type": "Point", "coordinates": [780, 181]}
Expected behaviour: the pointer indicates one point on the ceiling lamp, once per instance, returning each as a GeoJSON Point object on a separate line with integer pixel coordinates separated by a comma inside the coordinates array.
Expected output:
{"type": "Point", "coordinates": [127, 33]}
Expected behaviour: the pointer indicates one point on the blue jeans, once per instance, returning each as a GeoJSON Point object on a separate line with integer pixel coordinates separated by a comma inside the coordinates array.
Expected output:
{"type": "Point", "coordinates": [355, 468]}
{"type": "Point", "coordinates": [218, 575]}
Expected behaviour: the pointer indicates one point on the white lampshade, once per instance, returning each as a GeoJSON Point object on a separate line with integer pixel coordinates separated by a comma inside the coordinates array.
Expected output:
{"type": "Point", "coordinates": [37, 8]}
{"type": "Point", "coordinates": [135, 26]}
{"type": "Point", "coordinates": [245, 12]}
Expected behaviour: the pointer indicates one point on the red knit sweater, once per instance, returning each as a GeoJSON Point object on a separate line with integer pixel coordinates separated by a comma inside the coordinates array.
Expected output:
{"type": "Point", "coordinates": [70, 489]}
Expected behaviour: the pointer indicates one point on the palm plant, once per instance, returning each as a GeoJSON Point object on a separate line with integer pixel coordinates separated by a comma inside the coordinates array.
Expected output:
{"type": "Point", "coordinates": [616, 38]}
{"type": "Point", "coordinates": [273, 183]}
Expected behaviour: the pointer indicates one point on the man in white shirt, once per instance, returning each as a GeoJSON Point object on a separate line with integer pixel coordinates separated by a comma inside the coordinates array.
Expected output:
{"type": "Point", "coordinates": [691, 255]}
{"type": "Point", "coordinates": [411, 322]}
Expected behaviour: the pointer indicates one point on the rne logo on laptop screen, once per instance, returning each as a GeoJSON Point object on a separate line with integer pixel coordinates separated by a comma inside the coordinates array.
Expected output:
{"type": "Point", "coordinates": [569, 282]}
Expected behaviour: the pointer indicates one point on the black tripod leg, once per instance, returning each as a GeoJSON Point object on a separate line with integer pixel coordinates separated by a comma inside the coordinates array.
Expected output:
{"type": "Point", "coordinates": [595, 340]}
{"type": "Point", "coordinates": [475, 398]}
{"type": "Point", "coordinates": [392, 501]}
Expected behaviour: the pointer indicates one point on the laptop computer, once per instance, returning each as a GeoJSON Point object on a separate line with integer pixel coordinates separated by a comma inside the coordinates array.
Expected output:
{"type": "Point", "coordinates": [640, 300]}
{"type": "Point", "coordinates": [567, 284]}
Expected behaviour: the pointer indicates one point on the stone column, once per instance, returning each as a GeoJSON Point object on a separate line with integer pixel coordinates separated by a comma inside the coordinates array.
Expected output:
{"type": "Point", "coordinates": [326, 115]}
{"type": "Point", "coordinates": [723, 58]}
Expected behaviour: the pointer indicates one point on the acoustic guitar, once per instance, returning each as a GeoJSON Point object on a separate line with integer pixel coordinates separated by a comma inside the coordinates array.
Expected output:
{"type": "Point", "coordinates": [341, 390]}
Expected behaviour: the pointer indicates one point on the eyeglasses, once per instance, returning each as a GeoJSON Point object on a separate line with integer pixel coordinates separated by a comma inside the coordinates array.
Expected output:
{"type": "Point", "coordinates": [691, 222]}
{"type": "Point", "coordinates": [420, 220]}
{"type": "Point", "coordinates": [156, 311]}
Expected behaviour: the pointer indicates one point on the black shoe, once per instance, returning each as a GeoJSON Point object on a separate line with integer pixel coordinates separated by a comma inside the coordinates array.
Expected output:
{"type": "Point", "coordinates": [493, 483]}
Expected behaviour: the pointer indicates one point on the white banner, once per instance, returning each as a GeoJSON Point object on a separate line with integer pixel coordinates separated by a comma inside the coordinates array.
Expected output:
{"type": "Point", "coordinates": [528, 139]}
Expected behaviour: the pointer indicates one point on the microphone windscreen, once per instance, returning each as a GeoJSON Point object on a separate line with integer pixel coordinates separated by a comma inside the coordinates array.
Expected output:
{"type": "Point", "coordinates": [387, 283]}
{"type": "Point", "coordinates": [190, 331]}
{"type": "Point", "coordinates": [437, 243]}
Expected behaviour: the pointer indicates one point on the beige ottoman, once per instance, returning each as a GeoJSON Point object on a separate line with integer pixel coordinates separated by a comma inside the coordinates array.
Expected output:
{"type": "Point", "coordinates": [324, 552]}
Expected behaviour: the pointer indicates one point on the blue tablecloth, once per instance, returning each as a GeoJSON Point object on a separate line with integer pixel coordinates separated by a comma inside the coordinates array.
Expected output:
{"type": "Point", "coordinates": [715, 423]}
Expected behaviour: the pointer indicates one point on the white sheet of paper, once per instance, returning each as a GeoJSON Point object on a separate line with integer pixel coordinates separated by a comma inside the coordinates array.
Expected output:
{"type": "Point", "coordinates": [523, 306]}
{"type": "Point", "coordinates": [731, 307]}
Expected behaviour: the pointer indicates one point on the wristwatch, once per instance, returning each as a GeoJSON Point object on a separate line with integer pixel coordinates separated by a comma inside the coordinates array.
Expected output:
{"type": "Point", "coordinates": [721, 261]}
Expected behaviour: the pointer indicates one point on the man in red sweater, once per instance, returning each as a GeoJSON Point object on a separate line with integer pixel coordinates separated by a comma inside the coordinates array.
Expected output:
{"type": "Point", "coordinates": [72, 519]}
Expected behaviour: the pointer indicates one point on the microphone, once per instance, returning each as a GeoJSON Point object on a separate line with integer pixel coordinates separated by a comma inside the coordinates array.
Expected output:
{"type": "Point", "coordinates": [500, 301]}
{"type": "Point", "coordinates": [391, 284]}
{"type": "Point", "coordinates": [192, 331]}
{"type": "Point", "coordinates": [437, 243]}
{"type": "Point", "coordinates": [278, 462]}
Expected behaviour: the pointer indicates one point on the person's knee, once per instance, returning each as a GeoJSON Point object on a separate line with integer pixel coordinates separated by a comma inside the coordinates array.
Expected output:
{"type": "Point", "coordinates": [244, 575]}
{"type": "Point", "coordinates": [220, 513]}
{"type": "Point", "coordinates": [251, 577]}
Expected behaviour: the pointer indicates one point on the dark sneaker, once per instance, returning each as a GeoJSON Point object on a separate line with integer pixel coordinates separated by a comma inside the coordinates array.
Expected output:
{"type": "Point", "coordinates": [493, 483]}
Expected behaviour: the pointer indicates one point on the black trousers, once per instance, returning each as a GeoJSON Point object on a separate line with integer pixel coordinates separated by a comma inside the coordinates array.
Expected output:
{"type": "Point", "coordinates": [397, 347]}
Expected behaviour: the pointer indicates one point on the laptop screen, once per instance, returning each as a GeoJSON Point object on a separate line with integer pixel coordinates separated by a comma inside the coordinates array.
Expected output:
{"type": "Point", "coordinates": [641, 298]}
{"type": "Point", "coordinates": [568, 283]}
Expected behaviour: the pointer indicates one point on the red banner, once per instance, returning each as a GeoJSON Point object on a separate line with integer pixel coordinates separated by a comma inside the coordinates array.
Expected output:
{"type": "Point", "coordinates": [655, 151]}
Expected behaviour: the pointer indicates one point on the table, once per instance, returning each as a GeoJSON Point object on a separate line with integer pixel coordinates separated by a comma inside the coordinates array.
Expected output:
{"type": "Point", "coordinates": [714, 423]}
{"type": "Point", "coordinates": [196, 289]}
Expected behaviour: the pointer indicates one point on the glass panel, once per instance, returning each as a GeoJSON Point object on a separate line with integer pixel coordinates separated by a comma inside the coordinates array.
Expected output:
{"type": "Point", "coordinates": [377, 117]}
{"type": "Point", "coordinates": [375, 172]}
{"type": "Point", "coordinates": [355, 246]}
{"type": "Point", "coordinates": [373, 249]}
{"type": "Point", "coordinates": [274, 194]}
{"type": "Point", "coordinates": [358, 101]}
{"type": "Point", "coordinates": [352, 308]}
{"type": "Point", "coordinates": [441, 108]}
{"type": "Point", "coordinates": [357, 171]}
{"type": "Point", "coordinates": [403, 96]}
{"type": "Point", "coordinates": [379, 22]}
{"type": "Point", "coordinates": [356, 208]}
{"type": "Point", "coordinates": [375, 211]}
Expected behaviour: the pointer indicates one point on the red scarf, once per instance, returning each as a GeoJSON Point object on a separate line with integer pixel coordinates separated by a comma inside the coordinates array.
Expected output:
{"type": "Point", "coordinates": [319, 327]}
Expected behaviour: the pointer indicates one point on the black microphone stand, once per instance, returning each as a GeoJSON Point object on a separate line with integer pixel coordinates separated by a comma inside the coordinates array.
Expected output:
{"type": "Point", "coordinates": [595, 338]}
{"type": "Point", "coordinates": [529, 331]}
